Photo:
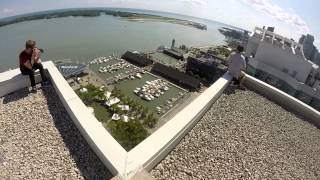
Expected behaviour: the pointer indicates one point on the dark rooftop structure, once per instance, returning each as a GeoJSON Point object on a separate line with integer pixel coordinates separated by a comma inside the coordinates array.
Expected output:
{"type": "Point", "coordinates": [203, 67]}
{"type": "Point", "coordinates": [173, 53]}
{"type": "Point", "coordinates": [176, 76]}
{"type": "Point", "coordinates": [137, 59]}
{"type": "Point", "coordinates": [69, 70]}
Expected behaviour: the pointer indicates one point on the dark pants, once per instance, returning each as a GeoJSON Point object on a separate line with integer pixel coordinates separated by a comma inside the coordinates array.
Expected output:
{"type": "Point", "coordinates": [236, 81]}
{"type": "Point", "coordinates": [26, 71]}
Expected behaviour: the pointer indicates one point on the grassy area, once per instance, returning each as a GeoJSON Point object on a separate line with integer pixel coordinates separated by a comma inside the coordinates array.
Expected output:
{"type": "Point", "coordinates": [128, 86]}
{"type": "Point", "coordinates": [164, 59]}
{"type": "Point", "coordinates": [101, 113]}
{"type": "Point", "coordinates": [128, 134]}
{"type": "Point", "coordinates": [220, 52]}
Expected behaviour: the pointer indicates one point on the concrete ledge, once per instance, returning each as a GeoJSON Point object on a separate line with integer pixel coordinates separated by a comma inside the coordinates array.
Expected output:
{"type": "Point", "coordinates": [283, 99]}
{"type": "Point", "coordinates": [13, 80]}
{"type": "Point", "coordinates": [121, 163]}
{"type": "Point", "coordinates": [101, 142]}
{"type": "Point", "coordinates": [153, 149]}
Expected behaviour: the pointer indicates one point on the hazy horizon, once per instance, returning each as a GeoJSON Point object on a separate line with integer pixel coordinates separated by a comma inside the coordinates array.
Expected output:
{"type": "Point", "coordinates": [291, 18]}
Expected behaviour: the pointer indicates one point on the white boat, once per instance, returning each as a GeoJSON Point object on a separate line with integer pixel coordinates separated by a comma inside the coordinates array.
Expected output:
{"type": "Point", "coordinates": [138, 75]}
{"type": "Point", "coordinates": [115, 117]}
{"type": "Point", "coordinates": [125, 118]}
{"type": "Point", "coordinates": [112, 101]}
{"type": "Point", "coordinates": [83, 90]}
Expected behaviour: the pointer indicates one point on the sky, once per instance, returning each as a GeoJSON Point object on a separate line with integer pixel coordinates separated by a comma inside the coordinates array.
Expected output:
{"type": "Point", "coordinates": [290, 17]}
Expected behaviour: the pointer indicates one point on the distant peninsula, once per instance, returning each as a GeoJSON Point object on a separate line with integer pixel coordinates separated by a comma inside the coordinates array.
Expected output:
{"type": "Point", "coordinates": [140, 17]}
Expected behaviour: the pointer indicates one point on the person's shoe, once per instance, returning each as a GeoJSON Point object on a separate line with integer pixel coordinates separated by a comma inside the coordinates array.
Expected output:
{"type": "Point", "coordinates": [34, 89]}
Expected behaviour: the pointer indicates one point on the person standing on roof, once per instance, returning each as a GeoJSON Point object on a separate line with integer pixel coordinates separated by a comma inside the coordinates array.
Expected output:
{"type": "Point", "coordinates": [30, 61]}
{"type": "Point", "coordinates": [237, 64]}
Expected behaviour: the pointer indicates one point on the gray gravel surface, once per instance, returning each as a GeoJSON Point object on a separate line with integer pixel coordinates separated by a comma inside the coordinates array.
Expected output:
{"type": "Point", "coordinates": [38, 140]}
{"type": "Point", "coordinates": [245, 136]}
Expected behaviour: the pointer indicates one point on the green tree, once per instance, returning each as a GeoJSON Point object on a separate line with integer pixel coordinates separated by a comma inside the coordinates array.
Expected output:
{"type": "Point", "coordinates": [150, 121]}
{"type": "Point", "coordinates": [93, 94]}
{"type": "Point", "coordinates": [128, 134]}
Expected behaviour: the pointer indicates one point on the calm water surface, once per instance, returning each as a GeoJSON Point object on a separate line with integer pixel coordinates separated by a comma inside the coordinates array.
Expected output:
{"type": "Point", "coordinates": [81, 39]}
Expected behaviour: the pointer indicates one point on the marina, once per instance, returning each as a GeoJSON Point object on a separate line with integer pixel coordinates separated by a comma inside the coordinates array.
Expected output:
{"type": "Point", "coordinates": [151, 91]}
{"type": "Point", "coordinates": [140, 91]}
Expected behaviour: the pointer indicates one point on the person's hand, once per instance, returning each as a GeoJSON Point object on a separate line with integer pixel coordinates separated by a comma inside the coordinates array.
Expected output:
{"type": "Point", "coordinates": [36, 54]}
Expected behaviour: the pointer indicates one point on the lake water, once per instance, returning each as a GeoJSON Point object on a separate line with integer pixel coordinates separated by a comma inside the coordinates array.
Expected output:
{"type": "Point", "coordinates": [81, 38]}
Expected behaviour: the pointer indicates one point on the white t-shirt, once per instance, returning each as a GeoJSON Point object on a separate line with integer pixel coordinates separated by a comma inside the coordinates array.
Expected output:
{"type": "Point", "coordinates": [237, 63]}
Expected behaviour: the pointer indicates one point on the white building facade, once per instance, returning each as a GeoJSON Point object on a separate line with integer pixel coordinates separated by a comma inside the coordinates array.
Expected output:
{"type": "Point", "coordinates": [280, 62]}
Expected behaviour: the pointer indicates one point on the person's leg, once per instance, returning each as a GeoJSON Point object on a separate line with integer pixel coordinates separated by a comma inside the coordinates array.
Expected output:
{"type": "Point", "coordinates": [241, 80]}
{"type": "Point", "coordinates": [235, 81]}
{"type": "Point", "coordinates": [26, 71]}
{"type": "Point", "coordinates": [42, 73]}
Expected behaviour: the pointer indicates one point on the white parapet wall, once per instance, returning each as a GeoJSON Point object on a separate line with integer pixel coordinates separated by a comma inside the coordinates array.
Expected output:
{"type": "Point", "coordinates": [121, 163]}
{"type": "Point", "coordinates": [284, 99]}
{"type": "Point", "coordinates": [153, 149]}
{"type": "Point", "coordinates": [13, 80]}
{"type": "Point", "coordinates": [101, 142]}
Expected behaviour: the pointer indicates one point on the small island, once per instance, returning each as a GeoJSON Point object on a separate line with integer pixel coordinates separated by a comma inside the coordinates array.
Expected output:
{"type": "Point", "coordinates": [140, 17]}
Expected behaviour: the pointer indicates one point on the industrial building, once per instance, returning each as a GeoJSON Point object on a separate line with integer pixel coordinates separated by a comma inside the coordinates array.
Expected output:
{"type": "Point", "coordinates": [176, 76]}
{"type": "Point", "coordinates": [280, 61]}
{"type": "Point", "coordinates": [202, 67]}
{"type": "Point", "coordinates": [137, 59]}
{"type": "Point", "coordinates": [173, 53]}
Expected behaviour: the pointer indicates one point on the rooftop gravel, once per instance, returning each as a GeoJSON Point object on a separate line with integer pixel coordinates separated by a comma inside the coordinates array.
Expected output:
{"type": "Point", "coordinates": [38, 140]}
{"type": "Point", "coordinates": [245, 136]}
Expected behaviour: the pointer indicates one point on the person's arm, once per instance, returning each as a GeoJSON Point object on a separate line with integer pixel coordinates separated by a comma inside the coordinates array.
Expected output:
{"type": "Point", "coordinates": [28, 65]}
{"type": "Point", "coordinates": [25, 62]}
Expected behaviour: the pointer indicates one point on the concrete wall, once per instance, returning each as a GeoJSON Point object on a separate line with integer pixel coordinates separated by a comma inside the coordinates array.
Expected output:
{"type": "Point", "coordinates": [283, 99]}
{"type": "Point", "coordinates": [280, 59]}
{"type": "Point", "coordinates": [13, 80]}
{"type": "Point", "coordinates": [102, 143]}
{"type": "Point", "coordinates": [121, 163]}
{"type": "Point", "coordinates": [252, 45]}
{"type": "Point", "coordinates": [153, 149]}
{"type": "Point", "coordinates": [298, 86]}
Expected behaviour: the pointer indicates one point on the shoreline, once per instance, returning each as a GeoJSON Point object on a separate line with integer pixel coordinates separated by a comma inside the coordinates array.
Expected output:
{"type": "Point", "coordinates": [130, 16]}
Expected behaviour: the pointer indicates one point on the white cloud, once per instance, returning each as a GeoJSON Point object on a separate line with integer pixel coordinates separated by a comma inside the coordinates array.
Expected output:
{"type": "Point", "coordinates": [287, 16]}
{"type": "Point", "coordinates": [195, 2]}
{"type": "Point", "coordinates": [7, 11]}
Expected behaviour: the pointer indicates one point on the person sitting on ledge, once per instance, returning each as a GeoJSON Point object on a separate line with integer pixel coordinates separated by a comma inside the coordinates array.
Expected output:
{"type": "Point", "coordinates": [30, 61]}
{"type": "Point", "coordinates": [237, 64]}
